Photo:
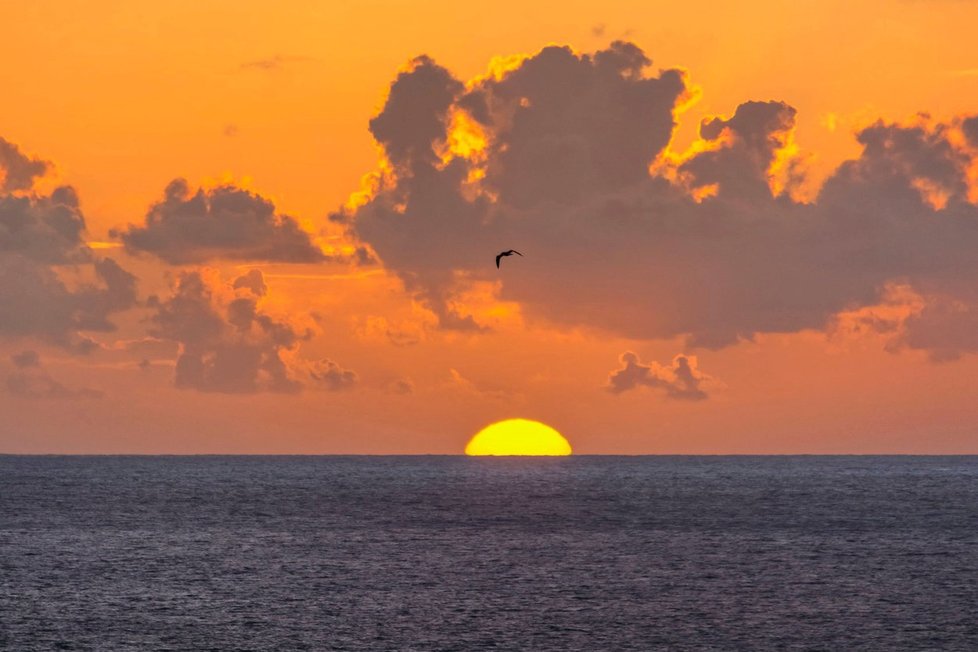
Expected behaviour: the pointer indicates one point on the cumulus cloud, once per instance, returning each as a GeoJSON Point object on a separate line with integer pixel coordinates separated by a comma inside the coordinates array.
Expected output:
{"type": "Point", "coordinates": [226, 222]}
{"type": "Point", "coordinates": [18, 170]}
{"type": "Point", "coordinates": [551, 131]}
{"type": "Point", "coordinates": [44, 229]}
{"type": "Point", "coordinates": [228, 342]}
{"type": "Point", "coordinates": [680, 380]}
{"type": "Point", "coordinates": [329, 375]}
{"type": "Point", "coordinates": [565, 157]}
{"type": "Point", "coordinates": [52, 287]}
{"type": "Point", "coordinates": [970, 128]}
{"type": "Point", "coordinates": [36, 302]}
{"type": "Point", "coordinates": [741, 151]}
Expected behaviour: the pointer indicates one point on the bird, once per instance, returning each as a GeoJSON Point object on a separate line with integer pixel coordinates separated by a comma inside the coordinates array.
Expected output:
{"type": "Point", "coordinates": [506, 253]}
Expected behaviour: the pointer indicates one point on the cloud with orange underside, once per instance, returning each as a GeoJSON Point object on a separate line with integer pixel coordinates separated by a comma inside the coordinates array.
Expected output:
{"type": "Point", "coordinates": [716, 244]}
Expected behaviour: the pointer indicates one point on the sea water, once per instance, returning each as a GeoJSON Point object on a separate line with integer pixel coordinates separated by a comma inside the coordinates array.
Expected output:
{"type": "Point", "coordinates": [454, 553]}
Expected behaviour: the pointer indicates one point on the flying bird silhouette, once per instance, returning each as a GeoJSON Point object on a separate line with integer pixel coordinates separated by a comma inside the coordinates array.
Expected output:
{"type": "Point", "coordinates": [506, 253]}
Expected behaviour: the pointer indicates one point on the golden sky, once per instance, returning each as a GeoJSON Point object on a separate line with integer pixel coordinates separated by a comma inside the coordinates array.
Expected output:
{"type": "Point", "coordinates": [789, 268]}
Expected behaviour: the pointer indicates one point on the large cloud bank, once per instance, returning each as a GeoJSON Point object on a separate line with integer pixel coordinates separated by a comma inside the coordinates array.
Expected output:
{"type": "Point", "coordinates": [565, 157]}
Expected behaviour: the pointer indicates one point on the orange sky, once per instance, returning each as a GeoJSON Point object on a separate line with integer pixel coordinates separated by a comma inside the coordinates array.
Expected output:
{"type": "Point", "coordinates": [121, 98]}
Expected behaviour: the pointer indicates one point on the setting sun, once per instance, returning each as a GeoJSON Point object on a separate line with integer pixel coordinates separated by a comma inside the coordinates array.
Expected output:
{"type": "Point", "coordinates": [518, 437]}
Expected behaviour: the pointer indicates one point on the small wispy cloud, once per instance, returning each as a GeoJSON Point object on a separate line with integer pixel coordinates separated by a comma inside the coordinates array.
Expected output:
{"type": "Point", "coordinates": [274, 63]}
{"type": "Point", "coordinates": [964, 72]}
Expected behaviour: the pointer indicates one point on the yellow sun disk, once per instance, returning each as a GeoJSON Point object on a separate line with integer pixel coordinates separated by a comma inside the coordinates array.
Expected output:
{"type": "Point", "coordinates": [518, 437]}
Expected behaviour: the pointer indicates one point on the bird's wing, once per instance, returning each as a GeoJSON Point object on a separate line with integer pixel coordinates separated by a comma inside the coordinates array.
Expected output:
{"type": "Point", "coordinates": [498, 256]}
{"type": "Point", "coordinates": [516, 252]}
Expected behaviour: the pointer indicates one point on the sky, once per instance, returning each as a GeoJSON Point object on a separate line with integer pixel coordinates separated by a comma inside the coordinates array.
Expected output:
{"type": "Point", "coordinates": [249, 227]}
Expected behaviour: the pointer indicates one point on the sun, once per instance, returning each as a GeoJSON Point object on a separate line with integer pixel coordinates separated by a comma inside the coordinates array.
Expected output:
{"type": "Point", "coordinates": [518, 437]}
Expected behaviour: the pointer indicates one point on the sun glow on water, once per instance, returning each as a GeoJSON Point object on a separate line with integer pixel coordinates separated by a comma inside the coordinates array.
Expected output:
{"type": "Point", "coordinates": [518, 437]}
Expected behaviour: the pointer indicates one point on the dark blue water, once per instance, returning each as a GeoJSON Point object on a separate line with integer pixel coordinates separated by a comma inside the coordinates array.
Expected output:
{"type": "Point", "coordinates": [450, 553]}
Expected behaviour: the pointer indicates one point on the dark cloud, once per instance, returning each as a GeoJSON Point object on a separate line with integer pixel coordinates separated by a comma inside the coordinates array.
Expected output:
{"type": "Point", "coordinates": [44, 229]}
{"type": "Point", "coordinates": [566, 126]}
{"type": "Point", "coordinates": [413, 122]}
{"type": "Point", "coordinates": [17, 170]}
{"type": "Point", "coordinates": [26, 359]}
{"type": "Point", "coordinates": [710, 245]}
{"type": "Point", "coordinates": [52, 287]}
{"type": "Point", "coordinates": [558, 128]}
{"type": "Point", "coordinates": [226, 222]}
{"type": "Point", "coordinates": [36, 302]}
{"type": "Point", "coordinates": [253, 280]}
{"type": "Point", "coordinates": [680, 380]}
{"type": "Point", "coordinates": [751, 139]}
{"type": "Point", "coordinates": [970, 128]}
{"type": "Point", "coordinates": [329, 375]}
{"type": "Point", "coordinates": [229, 343]}
{"type": "Point", "coordinates": [414, 116]}
{"type": "Point", "coordinates": [946, 327]}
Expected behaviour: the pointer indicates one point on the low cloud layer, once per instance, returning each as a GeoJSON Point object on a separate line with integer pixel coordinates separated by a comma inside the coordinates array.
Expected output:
{"type": "Point", "coordinates": [680, 380]}
{"type": "Point", "coordinates": [552, 156]}
{"type": "Point", "coordinates": [40, 385]}
{"type": "Point", "coordinates": [189, 227]}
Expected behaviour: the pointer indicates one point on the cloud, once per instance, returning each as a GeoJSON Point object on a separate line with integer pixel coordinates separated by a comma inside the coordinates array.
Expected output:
{"type": "Point", "coordinates": [44, 229]}
{"type": "Point", "coordinates": [329, 375]}
{"type": "Point", "coordinates": [946, 327]}
{"type": "Point", "coordinates": [274, 63]}
{"type": "Point", "coordinates": [465, 385]}
{"type": "Point", "coordinates": [52, 286]}
{"type": "Point", "coordinates": [18, 170]}
{"type": "Point", "coordinates": [741, 151]}
{"type": "Point", "coordinates": [681, 380]}
{"type": "Point", "coordinates": [970, 128]}
{"type": "Point", "coordinates": [551, 131]}
{"type": "Point", "coordinates": [227, 222]}
{"type": "Point", "coordinates": [39, 385]}
{"type": "Point", "coordinates": [401, 386]}
{"type": "Point", "coordinates": [565, 157]}
{"type": "Point", "coordinates": [30, 381]}
{"type": "Point", "coordinates": [414, 116]}
{"type": "Point", "coordinates": [399, 333]}
{"type": "Point", "coordinates": [228, 341]}
{"type": "Point", "coordinates": [25, 359]}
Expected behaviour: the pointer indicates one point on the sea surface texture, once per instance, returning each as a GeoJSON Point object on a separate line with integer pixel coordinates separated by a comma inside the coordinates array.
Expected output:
{"type": "Point", "coordinates": [453, 553]}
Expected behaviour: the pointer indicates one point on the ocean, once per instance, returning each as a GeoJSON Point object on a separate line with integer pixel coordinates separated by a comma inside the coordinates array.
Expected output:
{"type": "Point", "coordinates": [454, 553]}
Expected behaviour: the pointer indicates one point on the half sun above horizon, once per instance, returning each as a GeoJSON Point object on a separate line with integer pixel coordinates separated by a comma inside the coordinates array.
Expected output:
{"type": "Point", "coordinates": [518, 437]}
